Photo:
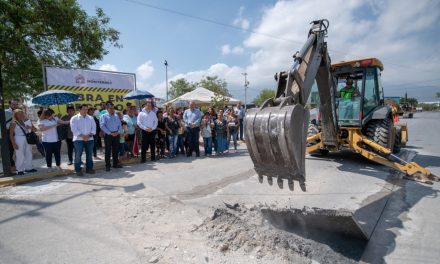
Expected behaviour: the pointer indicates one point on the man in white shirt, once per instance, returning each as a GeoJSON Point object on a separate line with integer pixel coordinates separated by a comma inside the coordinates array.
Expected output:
{"type": "Point", "coordinates": [239, 111]}
{"type": "Point", "coordinates": [192, 118]}
{"type": "Point", "coordinates": [83, 129]}
{"type": "Point", "coordinates": [147, 122]}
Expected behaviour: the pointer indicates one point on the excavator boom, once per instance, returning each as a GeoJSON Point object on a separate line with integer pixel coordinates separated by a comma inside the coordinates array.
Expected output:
{"type": "Point", "coordinates": [276, 132]}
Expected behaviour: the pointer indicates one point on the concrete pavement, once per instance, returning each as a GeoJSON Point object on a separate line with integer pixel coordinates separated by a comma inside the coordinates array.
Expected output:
{"type": "Point", "coordinates": [147, 211]}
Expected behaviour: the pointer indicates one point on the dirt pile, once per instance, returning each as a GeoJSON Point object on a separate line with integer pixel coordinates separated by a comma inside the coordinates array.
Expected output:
{"type": "Point", "coordinates": [246, 230]}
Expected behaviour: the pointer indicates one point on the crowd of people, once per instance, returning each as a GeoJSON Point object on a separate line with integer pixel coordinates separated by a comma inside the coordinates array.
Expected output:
{"type": "Point", "coordinates": [166, 133]}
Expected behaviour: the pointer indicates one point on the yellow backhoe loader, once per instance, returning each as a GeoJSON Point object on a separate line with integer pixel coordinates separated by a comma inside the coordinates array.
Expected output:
{"type": "Point", "coordinates": [352, 115]}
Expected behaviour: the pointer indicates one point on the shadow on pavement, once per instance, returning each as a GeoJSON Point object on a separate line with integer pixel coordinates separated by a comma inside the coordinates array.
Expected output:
{"type": "Point", "coordinates": [384, 216]}
{"type": "Point", "coordinates": [427, 160]}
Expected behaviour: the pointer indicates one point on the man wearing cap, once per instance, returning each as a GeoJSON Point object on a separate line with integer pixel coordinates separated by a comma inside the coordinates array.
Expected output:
{"type": "Point", "coordinates": [111, 125]}
{"type": "Point", "coordinates": [349, 91]}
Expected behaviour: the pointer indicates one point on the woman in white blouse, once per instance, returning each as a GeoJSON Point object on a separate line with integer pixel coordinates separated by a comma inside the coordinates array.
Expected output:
{"type": "Point", "coordinates": [23, 151]}
{"type": "Point", "coordinates": [52, 145]}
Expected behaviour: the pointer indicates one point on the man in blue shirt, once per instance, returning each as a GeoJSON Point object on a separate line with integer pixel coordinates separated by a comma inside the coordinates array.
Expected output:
{"type": "Point", "coordinates": [239, 111]}
{"type": "Point", "coordinates": [111, 125]}
{"type": "Point", "coordinates": [192, 118]}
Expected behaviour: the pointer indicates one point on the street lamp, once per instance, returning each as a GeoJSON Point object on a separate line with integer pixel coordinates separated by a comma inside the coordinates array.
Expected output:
{"type": "Point", "coordinates": [246, 84]}
{"type": "Point", "coordinates": [166, 76]}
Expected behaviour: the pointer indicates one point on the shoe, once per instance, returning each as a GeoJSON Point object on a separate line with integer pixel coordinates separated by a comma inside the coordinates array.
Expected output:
{"type": "Point", "coordinates": [70, 163]}
{"type": "Point", "coordinates": [107, 168]}
{"type": "Point", "coordinates": [90, 171]}
{"type": "Point", "coordinates": [118, 166]}
{"type": "Point", "coordinates": [79, 173]}
{"type": "Point", "coordinates": [33, 170]}
{"type": "Point", "coordinates": [20, 173]}
{"type": "Point", "coordinates": [188, 155]}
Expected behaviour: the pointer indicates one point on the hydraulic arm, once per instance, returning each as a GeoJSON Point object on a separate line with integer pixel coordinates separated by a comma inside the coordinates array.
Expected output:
{"type": "Point", "coordinates": [276, 132]}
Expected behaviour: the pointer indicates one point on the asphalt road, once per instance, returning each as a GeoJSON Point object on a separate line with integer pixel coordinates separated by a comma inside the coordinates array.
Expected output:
{"type": "Point", "coordinates": [145, 212]}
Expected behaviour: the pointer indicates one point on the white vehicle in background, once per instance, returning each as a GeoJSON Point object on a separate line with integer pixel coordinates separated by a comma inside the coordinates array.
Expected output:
{"type": "Point", "coordinates": [419, 109]}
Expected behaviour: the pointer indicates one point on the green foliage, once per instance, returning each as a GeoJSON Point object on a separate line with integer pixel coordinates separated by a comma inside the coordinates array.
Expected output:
{"type": "Point", "coordinates": [263, 96]}
{"type": "Point", "coordinates": [429, 107]}
{"type": "Point", "coordinates": [219, 101]}
{"type": "Point", "coordinates": [54, 32]}
{"type": "Point", "coordinates": [179, 87]}
{"type": "Point", "coordinates": [220, 89]}
{"type": "Point", "coordinates": [213, 83]}
{"type": "Point", "coordinates": [412, 101]}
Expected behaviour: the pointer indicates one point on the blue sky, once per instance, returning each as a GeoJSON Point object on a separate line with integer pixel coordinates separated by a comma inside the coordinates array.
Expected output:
{"type": "Point", "coordinates": [262, 36]}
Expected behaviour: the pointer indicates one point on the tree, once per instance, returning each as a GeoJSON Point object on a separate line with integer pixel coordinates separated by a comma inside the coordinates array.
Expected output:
{"type": "Point", "coordinates": [263, 96]}
{"type": "Point", "coordinates": [179, 87]}
{"type": "Point", "coordinates": [220, 89]}
{"type": "Point", "coordinates": [412, 101]}
{"type": "Point", "coordinates": [54, 32]}
{"type": "Point", "coordinates": [214, 84]}
{"type": "Point", "coordinates": [219, 101]}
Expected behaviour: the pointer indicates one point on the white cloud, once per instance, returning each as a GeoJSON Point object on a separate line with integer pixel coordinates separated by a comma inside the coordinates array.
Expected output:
{"type": "Point", "coordinates": [144, 71]}
{"type": "Point", "coordinates": [227, 49]}
{"type": "Point", "coordinates": [240, 21]}
{"type": "Point", "coordinates": [108, 67]}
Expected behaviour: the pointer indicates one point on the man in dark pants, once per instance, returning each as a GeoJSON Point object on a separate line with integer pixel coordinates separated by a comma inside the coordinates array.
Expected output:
{"type": "Point", "coordinates": [68, 136]}
{"type": "Point", "coordinates": [192, 118]}
{"type": "Point", "coordinates": [111, 125]}
{"type": "Point", "coordinates": [147, 122]}
{"type": "Point", "coordinates": [239, 111]}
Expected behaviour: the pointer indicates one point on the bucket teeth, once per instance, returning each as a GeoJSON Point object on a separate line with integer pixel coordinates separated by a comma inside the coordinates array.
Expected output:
{"type": "Point", "coordinates": [276, 142]}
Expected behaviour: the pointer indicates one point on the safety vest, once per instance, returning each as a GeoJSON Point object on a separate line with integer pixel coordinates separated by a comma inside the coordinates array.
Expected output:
{"type": "Point", "coordinates": [346, 94]}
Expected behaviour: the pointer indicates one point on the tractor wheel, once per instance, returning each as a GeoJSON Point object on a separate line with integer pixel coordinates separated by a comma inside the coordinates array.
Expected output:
{"type": "Point", "coordinates": [380, 131]}
{"type": "Point", "coordinates": [397, 141]}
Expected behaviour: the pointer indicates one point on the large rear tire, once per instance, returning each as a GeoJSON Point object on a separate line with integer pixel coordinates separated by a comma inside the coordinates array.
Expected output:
{"type": "Point", "coordinates": [380, 131]}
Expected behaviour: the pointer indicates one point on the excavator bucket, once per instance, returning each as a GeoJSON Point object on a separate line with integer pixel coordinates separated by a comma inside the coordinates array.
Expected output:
{"type": "Point", "coordinates": [276, 140]}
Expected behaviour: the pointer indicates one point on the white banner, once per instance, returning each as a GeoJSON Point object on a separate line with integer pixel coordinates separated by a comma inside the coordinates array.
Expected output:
{"type": "Point", "coordinates": [89, 78]}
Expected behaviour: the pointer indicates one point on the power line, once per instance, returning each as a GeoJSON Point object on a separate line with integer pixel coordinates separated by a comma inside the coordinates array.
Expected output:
{"type": "Point", "coordinates": [207, 20]}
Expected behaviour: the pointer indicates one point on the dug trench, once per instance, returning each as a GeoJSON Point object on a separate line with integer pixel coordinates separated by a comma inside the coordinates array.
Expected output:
{"type": "Point", "coordinates": [287, 235]}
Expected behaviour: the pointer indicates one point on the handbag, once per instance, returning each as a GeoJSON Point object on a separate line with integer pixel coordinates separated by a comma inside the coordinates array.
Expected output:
{"type": "Point", "coordinates": [31, 137]}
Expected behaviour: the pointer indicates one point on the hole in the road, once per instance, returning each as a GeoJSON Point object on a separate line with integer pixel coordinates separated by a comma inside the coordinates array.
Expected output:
{"type": "Point", "coordinates": [335, 228]}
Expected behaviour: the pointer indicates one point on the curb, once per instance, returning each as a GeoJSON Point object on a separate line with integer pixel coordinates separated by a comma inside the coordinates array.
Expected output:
{"type": "Point", "coordinates": [15, 180]}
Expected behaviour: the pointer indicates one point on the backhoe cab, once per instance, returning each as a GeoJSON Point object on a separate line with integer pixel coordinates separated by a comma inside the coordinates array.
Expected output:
{"type": "Point", "coordinates": [279, 132]}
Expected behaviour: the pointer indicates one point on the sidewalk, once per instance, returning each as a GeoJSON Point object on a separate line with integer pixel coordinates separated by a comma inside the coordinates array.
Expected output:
{"type": "Point", "coordinates": [44, 173]}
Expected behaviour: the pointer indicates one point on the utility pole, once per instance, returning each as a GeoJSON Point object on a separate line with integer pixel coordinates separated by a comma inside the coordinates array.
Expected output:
{"type": "Point", "coordinates": [4, 133]}
{"type": "Point", "coordinates": [246, 85]}
{"type": "Point", "coordinates": [166, 77]}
